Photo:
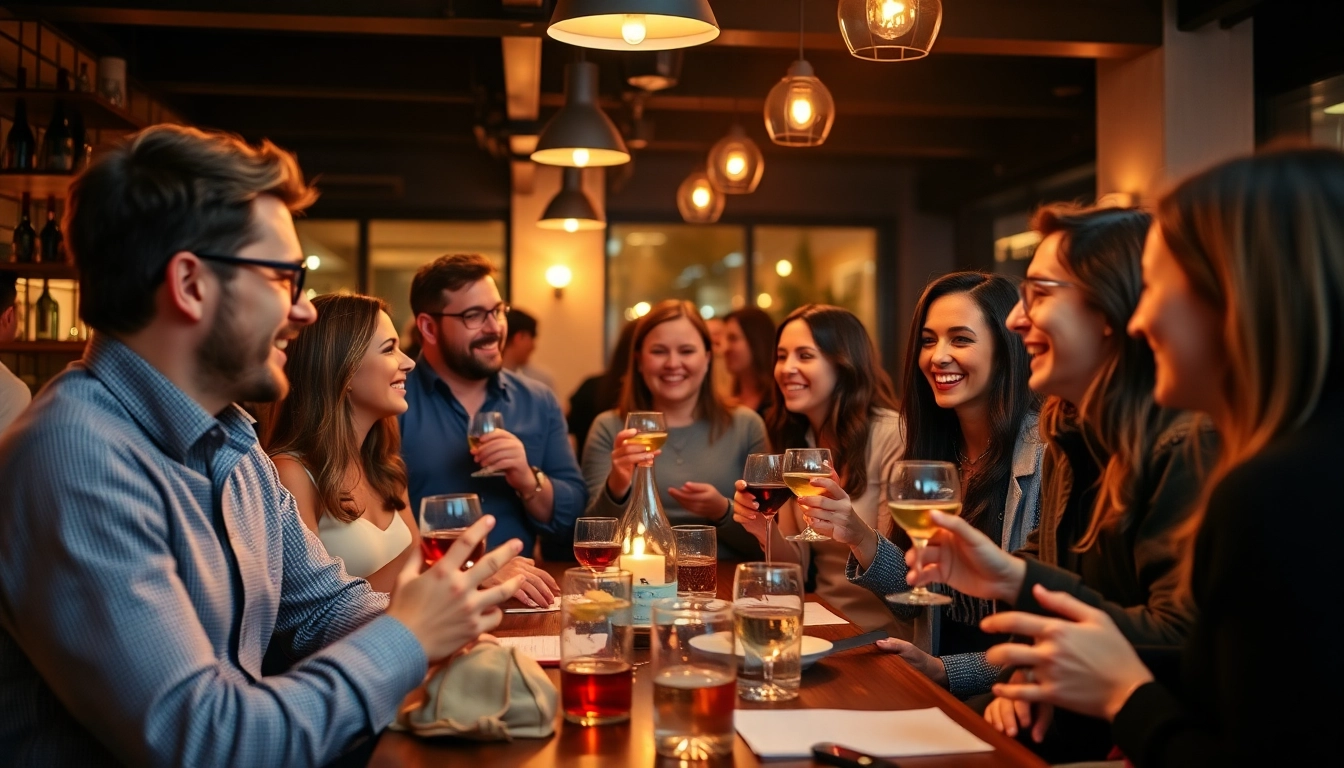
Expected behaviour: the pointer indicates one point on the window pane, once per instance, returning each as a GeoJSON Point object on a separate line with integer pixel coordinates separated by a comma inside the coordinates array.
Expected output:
{"type": "Point", "coordinates": [398, 248]}
{"type": "Point", "coordinates": [332, 248]}
{"type": "Point", "coordinates": [794, 266]}
{"type": "Point", "coordinates": [647, 263]}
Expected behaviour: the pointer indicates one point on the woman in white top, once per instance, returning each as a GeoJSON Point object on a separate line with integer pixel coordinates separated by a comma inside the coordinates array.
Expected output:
{"type": "Point", "coordinates": [337, 448]}
{"type": "Point", "coordinates": [830, 393]}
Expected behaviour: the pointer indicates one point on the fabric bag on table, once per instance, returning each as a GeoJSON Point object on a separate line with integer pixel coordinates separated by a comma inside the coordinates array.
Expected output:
{"type": "Point", "coordinates": [489, 693]}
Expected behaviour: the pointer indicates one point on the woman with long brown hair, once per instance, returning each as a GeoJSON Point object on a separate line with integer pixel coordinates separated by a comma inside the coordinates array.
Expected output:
{"type": "Point", "coordinates": [1243, 306]}
{"type": "Point", "coordinates": [831, 393]}
{"type": "Point", "coordinates": [707, 442]}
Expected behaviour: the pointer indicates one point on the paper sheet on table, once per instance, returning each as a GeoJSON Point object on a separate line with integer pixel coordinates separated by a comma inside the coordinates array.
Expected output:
{"type": "Point", "coordinates": [544, 648]}
{"type": "Point", "coordinates": [555, 606]}
{"type": "Point", "coordinates": [816, 615]}
{"type": "Point", "coordinates": [790, 733]}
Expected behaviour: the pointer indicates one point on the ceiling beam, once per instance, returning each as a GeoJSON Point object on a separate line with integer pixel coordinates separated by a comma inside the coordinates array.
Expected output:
{"type": "Point", "coordinates": [1068, 28]}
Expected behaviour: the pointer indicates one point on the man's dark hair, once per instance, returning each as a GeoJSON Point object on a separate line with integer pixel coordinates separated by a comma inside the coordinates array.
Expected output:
{"type": "Point", "coordinates": [164, 190]}
{"type": "Point", "coordinates": [446, 273]}
{"type": "Point", "coordinates": [9, 288]}
{"type": "Point", "coordinates": [520, 322]}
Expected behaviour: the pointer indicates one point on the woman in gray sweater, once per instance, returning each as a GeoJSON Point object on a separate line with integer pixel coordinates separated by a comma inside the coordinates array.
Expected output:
{"type": "Point", "coordinates": [707, 442]}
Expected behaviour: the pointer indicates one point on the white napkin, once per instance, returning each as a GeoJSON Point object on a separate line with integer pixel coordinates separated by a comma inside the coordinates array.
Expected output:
{"type": "Point", "coordinates": [544, 648]}
{"type": "Point", "coordinates": [790, 733]}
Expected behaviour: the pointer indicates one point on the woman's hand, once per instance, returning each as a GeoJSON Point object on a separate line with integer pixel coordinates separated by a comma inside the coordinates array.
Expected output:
{"type": "Point", "coordinates": [624, 456]}
{"type": "Point", "coordinates": [963, 558]}
{"type": "Point", "coordinates": [1079, 661]}
{"type": "Point", "coordinates": [930, 666]}
{"type": "Point", "coordinates": [832, 514]}
{"type": "Point", "coordinates": [538, 588]}
{"type": "Point", "coordinates": [746, 514]}
{"type": "Point", "coordinates": [701, 499]}
{"type": "Point", "coordinates": [1007, 715]}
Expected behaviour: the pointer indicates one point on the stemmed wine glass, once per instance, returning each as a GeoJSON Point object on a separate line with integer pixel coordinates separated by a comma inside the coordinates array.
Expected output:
{"type": "Point", "coordinates": [768, 619]}
{"type": "Point", "coordinates": [800, 466]}
{"type": "Point", "coordinates": [651, 429]}
{"type": "Point", "coordinates": [764, 476]}
{"type": "Point", "coordinates": [914, 489]}
{"type": "Point", "coordinates": [482, 424]}
{"type": "Point", "coordinates": [595, 544]}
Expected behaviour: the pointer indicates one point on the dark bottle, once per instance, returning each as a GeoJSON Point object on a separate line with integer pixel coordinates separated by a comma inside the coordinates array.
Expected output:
{"type": "Point", "coordinates": [51, 235]}
{"type": "Point", "coordinates": [48, 315]}
{"type": "Point", "coordinates": [24, 247]}
{"type": "Point", "coordinates": [82, 83]}
{"type": "Point", "coordinates": [58, 145]}
{"type": "Point", "coordinates": [20, 144]}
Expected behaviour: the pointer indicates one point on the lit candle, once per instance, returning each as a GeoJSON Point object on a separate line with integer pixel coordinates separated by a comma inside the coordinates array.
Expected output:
{"type": "Point", "coordinates": [647, 569]}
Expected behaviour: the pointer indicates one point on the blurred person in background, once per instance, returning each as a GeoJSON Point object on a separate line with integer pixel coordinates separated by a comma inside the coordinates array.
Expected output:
{"type": "Point", "coordinates": [519, 345]}
{"type": "Point", "coordinates": [14, 394]}
{"type": "Point", "coordinates": [749, 356]}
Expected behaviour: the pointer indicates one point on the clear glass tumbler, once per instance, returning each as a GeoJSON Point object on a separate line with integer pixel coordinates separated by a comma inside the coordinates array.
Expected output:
{"type": "Point", "coordinates": [694, 677]}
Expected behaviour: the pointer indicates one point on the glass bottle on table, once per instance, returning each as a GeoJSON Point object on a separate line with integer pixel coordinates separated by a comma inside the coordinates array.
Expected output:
{"type": "Point", "coordinates": [801, 466]}
{"type": "Point", "coordinates": [648, 546]}
{"type": "Point", "coordinates": [913, 490]}
{"type": "Point", "coordinates": [764, 476]}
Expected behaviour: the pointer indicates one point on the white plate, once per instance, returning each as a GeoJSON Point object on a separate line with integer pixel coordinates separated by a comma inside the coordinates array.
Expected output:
{"type": "Point", "coordinates": [814, 648]}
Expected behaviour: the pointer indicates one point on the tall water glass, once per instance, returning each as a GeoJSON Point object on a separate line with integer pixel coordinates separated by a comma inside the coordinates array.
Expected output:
{"type": "Point", "coordinates": [768, 622]}
{"type": "Point", "coordinates": [694, 681]}
{"type": "Point", "coordinates": [596, 646]}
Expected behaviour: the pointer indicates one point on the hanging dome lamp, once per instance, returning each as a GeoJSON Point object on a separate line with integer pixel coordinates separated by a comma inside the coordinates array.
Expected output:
{"type": "Point", "coordinates": [580, 134]}
{"type": "Point", "coordinates": [633, 25]}
{"type": "Point", "coordinates": [571, 210]}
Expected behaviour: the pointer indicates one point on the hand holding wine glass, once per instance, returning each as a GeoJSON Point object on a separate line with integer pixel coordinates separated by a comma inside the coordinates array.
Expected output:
{"type": "Point", "coordinates": [963, 557]}
{"type": "Point", "coordinates": [801, 465]}
{"type": "Point", "coordinates": [640, 442]}
{"type": "Point", "coordinates": [764, 478]}
{"type": "Point", "coordinates": [482, 424]}
{"type": "Point", "coordinates": [914, 490]}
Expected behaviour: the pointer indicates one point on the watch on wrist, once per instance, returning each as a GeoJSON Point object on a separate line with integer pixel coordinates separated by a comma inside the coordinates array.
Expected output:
{"type": "Point", "coordinates": [541, 480]}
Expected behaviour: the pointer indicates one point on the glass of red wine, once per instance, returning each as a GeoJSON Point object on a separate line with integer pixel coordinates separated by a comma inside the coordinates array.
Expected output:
{"type": "Point", "coordinates": [764, 475]}
{"type": "Point", "coordinates": [595, 544]}
{"type": "Point", "coordinates": [443, 520]}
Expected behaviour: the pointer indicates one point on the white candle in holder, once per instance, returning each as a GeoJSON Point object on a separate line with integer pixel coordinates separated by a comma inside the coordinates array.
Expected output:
{"type": "Point", "coordinates": [645, 568]}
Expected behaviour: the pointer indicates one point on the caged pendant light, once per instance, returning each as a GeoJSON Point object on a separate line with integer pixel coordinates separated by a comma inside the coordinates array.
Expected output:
{"type": "Point", "coordinates": [571, 210]}
{"type": "Point", "coordinates": [735, 163]}
{"type": "Point", "coordinates": [890, 30]}
{"type": "Point", "coordinates": [580, 134]}
{"type": "Point", "coordinates": [698, 200]}
{"type": "Point", "coordinates": [633, 25]}
{"type": "Point", "coordinates": [799, 110]}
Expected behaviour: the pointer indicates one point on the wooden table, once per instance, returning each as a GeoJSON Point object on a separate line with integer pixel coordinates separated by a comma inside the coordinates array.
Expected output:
{"type": "Point", "coordinates": [861, 678]}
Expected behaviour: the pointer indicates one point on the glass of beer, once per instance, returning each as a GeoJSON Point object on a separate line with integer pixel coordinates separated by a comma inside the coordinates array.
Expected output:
{"type": "Point", "coordinates": [595, 544]}
{"type": "Point", "coordinates": [443, 520]}
{"type": "Point", "coordinates": [800, 466]}
{"type": "Point", "coordinates": [596, 646]}
{"type": "Point", "coordinates": [694, 688]}
{"type": "Point", "coordinates": [764, 476]}
{"type": "Point", "coordinates": [482, 424]}
{"type": "Point", "coordinates": [697, 560]}
{"type": "Point", "coordinates": [650, 429]}
{"type": "Point", "coordinates": [768, 621]}
{"type": "Point", "coordinates": [913, 490]}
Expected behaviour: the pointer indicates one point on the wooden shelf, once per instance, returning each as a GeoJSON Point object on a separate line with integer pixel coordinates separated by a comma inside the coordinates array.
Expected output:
{"type": "Point", "coordinates": [50, 271]}
{"type": "Point", "coordinates": [97, 112]}
{"type": "Point", "coordinates": [39, 185]}
{"type": "Point", "coordinates": [67, 347]}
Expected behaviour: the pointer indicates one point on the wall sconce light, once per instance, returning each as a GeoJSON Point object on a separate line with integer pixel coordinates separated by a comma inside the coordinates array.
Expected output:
{"type": "Point", "coordinates": [558, 276]}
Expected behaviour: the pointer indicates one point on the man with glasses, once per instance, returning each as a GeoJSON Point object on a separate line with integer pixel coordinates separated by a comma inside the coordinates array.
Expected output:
{"type": "Point", "coordinates": [463, 322]}
{"type": "Point", "coordinates": [149, 556]}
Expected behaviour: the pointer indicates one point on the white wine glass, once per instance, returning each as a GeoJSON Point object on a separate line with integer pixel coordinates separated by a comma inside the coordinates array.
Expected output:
{"type": "Point", "coordinates": [800, 466]}
{"type": "Point", "coordinates": [650, 429]}
{"type": "Point", "coordinates": [768, 621]}
{"type": "Point", "coordinates": [482, 424]}
{"type": "Point", "coordinates": [915, 489]}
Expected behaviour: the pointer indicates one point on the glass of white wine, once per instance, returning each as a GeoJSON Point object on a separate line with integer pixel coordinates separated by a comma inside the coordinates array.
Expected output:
{"type": "Point", "coordinates": [768, 622]}
{"type": "Point", "coordinates": [914, 489]}
{"type": "Point", "coordinates": [650, 429]}
{"type": "Point", "coordinates": [800, 466]}
{"type": "Point", "coordinates": [482, 424]}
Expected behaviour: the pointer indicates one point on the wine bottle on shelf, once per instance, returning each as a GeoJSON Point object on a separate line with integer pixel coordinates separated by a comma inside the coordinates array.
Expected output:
{"type": "Point", "coordinates": [82, 83]}
{"type": "Point", "coordinates": [58, 145]}
{"type": "Point", "coordinates": [20, 144]}
{"type": "Point", "coordinates": [24, 245]}
{"type": "Point", "coordinates": [50, 236]}
{"type": "Point", "coordinates": [48, 316]}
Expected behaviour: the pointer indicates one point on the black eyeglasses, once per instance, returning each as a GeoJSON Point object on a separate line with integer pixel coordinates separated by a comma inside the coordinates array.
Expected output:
{"type": "Point", "coordinates": [475, 317]}
{"type": "Point", "coordinates": [1030, 289]}
{"type": "Point", "coordinates": [296, 272]}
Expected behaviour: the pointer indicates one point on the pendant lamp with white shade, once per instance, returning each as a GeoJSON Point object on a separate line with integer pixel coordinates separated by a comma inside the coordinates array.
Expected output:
{"type": "Point", "coordinates": [633, 25]}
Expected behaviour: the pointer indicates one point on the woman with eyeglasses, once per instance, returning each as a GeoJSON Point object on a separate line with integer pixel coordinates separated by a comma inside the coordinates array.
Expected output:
{"type": "Point", "coordinates": [1120, 473]}
{"type": "Point", "coordinates": [966, 403]}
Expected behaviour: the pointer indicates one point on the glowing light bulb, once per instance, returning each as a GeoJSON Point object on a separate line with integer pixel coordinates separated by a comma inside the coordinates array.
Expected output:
{"type": "Point", "coordinates": [735, 166]}
{"type": "Point", "coordinates": [783, 268]}
{"type": "Point", "coordinates": [700, 197]}
{"type": "Point", "coordinates": [571, 225]}
{"type": "Point", "coordinates": [764, 301]}
{"type": "Point", "coordinates": [633, 29]}
{"type": "Point", "coordinates": [558, 275]}
{"type": "Point", "coordinates": [642, 308]}
{"type": "Point", "coordinates": [581, 157]}
{"type": "Point", "coordinates": [313, 262]}
{"type": "Point", "coordinates": [800, 114]}
{"type": "Point", "coordinates": [890, 19]}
